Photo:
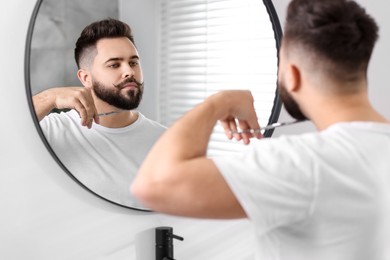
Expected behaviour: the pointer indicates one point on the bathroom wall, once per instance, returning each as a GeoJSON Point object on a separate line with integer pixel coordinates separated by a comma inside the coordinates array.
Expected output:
{"type": "Point", "coordinates": [45, 215]}
{"type": "Point", "coordinates": [143, 18]}
{"type": "Point", "coordinates": [54, 38]}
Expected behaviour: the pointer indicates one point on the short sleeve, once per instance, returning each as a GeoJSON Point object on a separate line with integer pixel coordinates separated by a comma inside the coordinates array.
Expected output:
{"type": "Point", "coordinates": [273, 182]}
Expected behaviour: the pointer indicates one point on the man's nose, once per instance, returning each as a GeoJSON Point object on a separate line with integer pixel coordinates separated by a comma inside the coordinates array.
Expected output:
{"type": "Point", "coordinates": [128, 72]}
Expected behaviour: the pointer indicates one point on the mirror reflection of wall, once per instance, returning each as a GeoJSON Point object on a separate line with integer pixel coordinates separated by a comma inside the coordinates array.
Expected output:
{"type": "Point", "coordinates": [57, 27]}
{"type": "Point", "coordinates": [144, 18]}
{"type": "Point", "coordinates": [188, 50]}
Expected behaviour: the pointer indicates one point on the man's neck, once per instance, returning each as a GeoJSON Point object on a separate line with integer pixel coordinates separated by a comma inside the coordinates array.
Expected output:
{"type": "Point", "coordinates": [113, 117]}
{"type": "Point", "coordinates": [117, 120]}
{"type": "Point", "coordinates": [349, 108]}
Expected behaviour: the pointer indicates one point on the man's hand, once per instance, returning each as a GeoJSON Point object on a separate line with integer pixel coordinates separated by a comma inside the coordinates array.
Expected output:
{"type": "Point", "coordinates": [237, 111]}
{"type": "Point", "coordinates": [78, 98]}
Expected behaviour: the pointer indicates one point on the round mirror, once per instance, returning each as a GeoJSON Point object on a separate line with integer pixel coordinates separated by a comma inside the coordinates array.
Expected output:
{"type": "Point", "coordinates": [188, 50]}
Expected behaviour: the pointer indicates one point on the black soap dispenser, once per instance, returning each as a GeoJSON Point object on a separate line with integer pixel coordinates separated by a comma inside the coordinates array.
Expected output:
{"type": "Point", "coordinates": [164, 243]}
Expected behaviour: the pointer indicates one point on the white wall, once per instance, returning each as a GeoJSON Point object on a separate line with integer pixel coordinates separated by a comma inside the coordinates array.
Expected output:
{"type": "Point", "coordinates": [143, 18]}
{"type": "Point", "coordinates": [45, 215]}
{"type": "Point", "coordinates": [379, 69]}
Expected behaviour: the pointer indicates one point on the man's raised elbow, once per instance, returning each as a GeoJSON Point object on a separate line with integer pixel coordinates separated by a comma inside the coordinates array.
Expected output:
{"type": "Point", "coordinates": [148, 189]}
{"type": "Point", "coordinates": [153, 187]}
{"type": "Point", "coordinates": [141, 190]}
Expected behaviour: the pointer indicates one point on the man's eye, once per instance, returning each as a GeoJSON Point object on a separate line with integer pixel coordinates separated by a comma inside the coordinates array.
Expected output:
{"type": "Point", "coordinates": [133, 63]}
{"type": "Point", "coordinates": [113, 65]}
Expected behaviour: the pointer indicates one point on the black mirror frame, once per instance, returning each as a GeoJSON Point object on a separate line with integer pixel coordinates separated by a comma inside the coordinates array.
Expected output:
{"type": "Point", "coordinates": [277, 107]}
{"type": "Point", "coordinates": [268, 133]}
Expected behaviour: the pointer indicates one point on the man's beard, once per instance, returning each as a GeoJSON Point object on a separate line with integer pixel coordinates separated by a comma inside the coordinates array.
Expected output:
{"type": "Point", "coordinates": [113, 96]}
{"type": "Point", "coordinates": [289, 103]}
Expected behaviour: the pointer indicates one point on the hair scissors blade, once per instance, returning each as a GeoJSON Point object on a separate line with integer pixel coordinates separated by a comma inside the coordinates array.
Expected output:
{"type": "Point", "coordinates": [110, 113]}
{"type": "Point", "coordinates": [268, 127]}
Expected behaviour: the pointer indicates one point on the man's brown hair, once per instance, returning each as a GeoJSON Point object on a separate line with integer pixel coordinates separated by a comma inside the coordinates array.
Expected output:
{"type": "Point", "coordinates": [86, 43]}
{"type": "Point", "coordinates": [338, 33]}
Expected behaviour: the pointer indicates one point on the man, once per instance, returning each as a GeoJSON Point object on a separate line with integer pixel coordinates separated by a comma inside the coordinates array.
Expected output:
{"type": "Point", "coordinates": [106, 155]}
{"type": "Point", "coordinates": [322, 195]}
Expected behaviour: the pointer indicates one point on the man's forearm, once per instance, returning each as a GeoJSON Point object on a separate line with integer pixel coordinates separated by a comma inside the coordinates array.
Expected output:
{"type": "Point", "coordinates": [188, 138]}
{"type": "Point", "coordinates": [177, 161]}
{"type": "Point", "coordinates": [177, 178]}
{"type": "Point", "coordinates": [42, 104]}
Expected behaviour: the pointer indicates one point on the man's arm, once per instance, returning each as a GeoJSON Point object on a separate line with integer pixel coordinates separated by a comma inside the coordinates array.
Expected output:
{"type": "Point", "coordinates": [78, 98]}
{"type": "Point", "coordinates": [177, 178]}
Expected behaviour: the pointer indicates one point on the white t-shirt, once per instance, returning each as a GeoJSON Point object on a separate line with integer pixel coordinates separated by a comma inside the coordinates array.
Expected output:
{"type": "Point", "coordinates": [317, 196]}
{"type": "Point", "coordinates": [104, 159]}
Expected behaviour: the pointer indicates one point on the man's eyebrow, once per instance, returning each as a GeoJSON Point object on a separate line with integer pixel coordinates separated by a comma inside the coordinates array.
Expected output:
{"type": "Point", "coordinates": [121, 59]}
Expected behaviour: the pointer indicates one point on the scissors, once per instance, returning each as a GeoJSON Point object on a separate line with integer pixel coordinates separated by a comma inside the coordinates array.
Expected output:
{"type": "Point", "coordinates": [268, 127]}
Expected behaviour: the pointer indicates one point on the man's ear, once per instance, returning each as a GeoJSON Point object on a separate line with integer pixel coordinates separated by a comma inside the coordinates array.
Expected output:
{"type": "Point", "coordinates": [294, 78]}
{"type": "Point", "coordinates": [85, 78]}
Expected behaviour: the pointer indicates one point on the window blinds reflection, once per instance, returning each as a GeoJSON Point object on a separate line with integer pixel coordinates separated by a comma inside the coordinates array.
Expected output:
{"type": "Point", "coordinates": [211, 45]}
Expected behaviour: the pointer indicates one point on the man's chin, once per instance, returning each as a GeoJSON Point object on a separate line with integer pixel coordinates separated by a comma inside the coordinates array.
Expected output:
{"type": "Point", "coordinates": [126, 107]}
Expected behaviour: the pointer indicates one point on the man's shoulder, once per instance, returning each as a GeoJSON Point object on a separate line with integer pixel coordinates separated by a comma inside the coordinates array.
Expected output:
{"type": "Point", "coordinates": [150, 123]}
{"type": "Point", "coordinates": [59, 119]}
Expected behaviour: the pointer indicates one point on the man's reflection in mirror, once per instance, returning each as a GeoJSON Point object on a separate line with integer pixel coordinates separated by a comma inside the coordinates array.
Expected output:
{"type": "Point", "coordinates": [98, 135]}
